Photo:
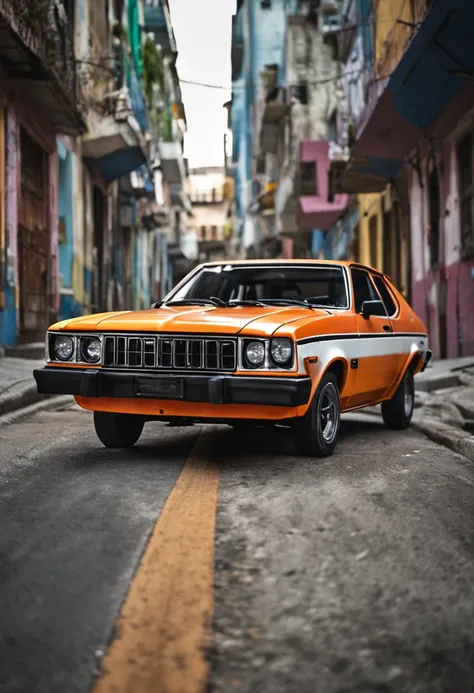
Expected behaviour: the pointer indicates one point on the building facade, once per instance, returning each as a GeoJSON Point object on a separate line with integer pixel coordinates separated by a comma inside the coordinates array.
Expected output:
{"type": "Point", "coordinates": [411, 114]}
{"type": "Point", "coordinates": [92, 171]}
{"type": "Point", "coordinates": [211, 219]}
{"type": "Point", "coordinates": [288, 120]}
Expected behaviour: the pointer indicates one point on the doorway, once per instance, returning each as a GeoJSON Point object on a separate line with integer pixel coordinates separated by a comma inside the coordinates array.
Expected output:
{"type": "Point", "coordinates": [33, 241]}
{"type": "Point", "coordinates": [437, 253]}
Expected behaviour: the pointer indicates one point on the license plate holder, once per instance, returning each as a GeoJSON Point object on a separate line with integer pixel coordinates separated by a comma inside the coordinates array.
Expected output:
{"type": "Point", "coordinates": [159, 388]}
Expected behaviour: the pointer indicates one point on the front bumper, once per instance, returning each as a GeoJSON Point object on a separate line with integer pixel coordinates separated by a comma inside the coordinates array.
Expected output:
{"type": "Point", "coordinates": [214, 389]}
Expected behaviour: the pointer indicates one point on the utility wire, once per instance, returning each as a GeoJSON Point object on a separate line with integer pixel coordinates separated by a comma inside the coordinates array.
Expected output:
{"type": "Point", "coordinates": [326, 80]}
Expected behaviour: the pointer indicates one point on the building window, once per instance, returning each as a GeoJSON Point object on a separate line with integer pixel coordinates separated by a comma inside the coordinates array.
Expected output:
{"type": "Point", "coordinates": [214, 232]}
{"type": "Point", "coordinates": [373, 240]}
{"type": "Point", "coordinates": [466, 196]}
{"type": "Point", "coordinates": [308, 178]}
{"type": "Point", "coordinates": [434, 213]}
{"type": "Point", "coordinates": [202, 233]}
{"type": "Point", "coordinates": [299, 93]}
{"type": "Point", "coordinates": [332, 128]}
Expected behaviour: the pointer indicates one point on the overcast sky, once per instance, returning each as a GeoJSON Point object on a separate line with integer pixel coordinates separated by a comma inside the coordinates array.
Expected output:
{"type": "Point", "coordinates": [203, 32]}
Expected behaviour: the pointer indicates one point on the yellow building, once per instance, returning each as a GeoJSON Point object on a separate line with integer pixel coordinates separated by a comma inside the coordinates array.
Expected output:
{"type": "Point", "coordinates": [384, 227]}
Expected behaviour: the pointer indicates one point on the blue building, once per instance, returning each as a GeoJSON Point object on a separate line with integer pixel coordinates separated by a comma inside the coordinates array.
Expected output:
{"type": "Point", "coordinates": [282, 139]}
{"type": "Point", "coordinates": [258, 42]}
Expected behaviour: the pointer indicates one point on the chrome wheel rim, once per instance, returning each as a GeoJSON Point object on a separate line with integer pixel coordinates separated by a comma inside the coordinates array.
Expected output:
{"type": "Point", "coordinates": [328, 413]}
{"type": "Point", "coordinates": [408, 396]}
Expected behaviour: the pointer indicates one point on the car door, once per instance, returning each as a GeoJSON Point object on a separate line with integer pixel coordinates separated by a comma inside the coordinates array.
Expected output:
{"type": "Point", "coordinates": [393, 311]}
{"type": "Point", "coordinates": [376, 366]}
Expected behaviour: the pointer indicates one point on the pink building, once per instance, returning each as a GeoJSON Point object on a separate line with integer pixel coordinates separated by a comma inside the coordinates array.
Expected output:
{"type": "Point", "coordinates": [442, 214]}
{"type": "Point", "coordinates": [316, 210]}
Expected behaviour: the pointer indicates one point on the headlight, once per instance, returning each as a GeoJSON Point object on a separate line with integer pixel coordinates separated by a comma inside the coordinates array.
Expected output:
{"type": "Point", "coordinates": [91, 349]}
{"type": "Point", "coordinates": [281, 351]}
{"type": "Point", "coordinates": [255, 353]}
{"type": "Point", "coordinates": [63, 347]}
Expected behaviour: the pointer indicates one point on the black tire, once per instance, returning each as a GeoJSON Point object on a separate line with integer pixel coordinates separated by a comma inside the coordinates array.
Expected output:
{"type": "Point", "coordinates": [398, 411]}
{"type": "Point", "coordinates": [118, 430]}
{"type": "Point", "coordinates": [311, 435]}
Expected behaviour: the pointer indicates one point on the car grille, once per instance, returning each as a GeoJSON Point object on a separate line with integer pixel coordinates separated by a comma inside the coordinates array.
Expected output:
{"type": "Point", "coordinates": [170, 353]}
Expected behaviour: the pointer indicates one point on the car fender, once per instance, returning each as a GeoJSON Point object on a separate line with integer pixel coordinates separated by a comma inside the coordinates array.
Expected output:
{"type": "Point", "coordinates": [317, 368]}
{"type": "Point", "coordinates": [413, 360]}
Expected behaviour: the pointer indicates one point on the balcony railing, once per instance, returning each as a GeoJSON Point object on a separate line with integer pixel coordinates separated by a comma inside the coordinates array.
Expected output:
{"type": "Point", "coordinates": [400, 35]}
{"type": "Point", "coordinates": [36, 40]}
{"type": "Point", "coordinates": [44, 28]}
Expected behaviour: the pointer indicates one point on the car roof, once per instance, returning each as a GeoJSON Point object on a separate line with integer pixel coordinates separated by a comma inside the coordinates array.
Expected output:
{"type": "Point", "coordinates": [292, 261]}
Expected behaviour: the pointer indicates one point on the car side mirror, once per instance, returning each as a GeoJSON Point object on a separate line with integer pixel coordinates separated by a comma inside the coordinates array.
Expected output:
{"type": "Point", "coordinates": [369, 308]}
{"type": "Point", "coordinates": [156, 304]}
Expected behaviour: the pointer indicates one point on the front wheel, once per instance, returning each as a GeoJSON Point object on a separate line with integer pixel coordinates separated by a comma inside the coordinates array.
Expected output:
{"type": "Point", "coordinates": [118, 430]}
{"type": "Point", "coordinates": [398, 411]}
{"type": "Point", "coordinates": [316, 433]}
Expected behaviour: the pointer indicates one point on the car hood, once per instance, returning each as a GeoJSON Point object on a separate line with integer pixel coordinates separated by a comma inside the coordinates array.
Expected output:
{"type": "Point", "coordinates": [254, 320]}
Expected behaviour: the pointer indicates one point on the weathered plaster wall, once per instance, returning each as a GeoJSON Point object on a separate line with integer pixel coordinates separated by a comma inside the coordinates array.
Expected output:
{"type": "Point", "coordinates": [456, 273]}
{"type": "Point", "coordinates": [371, 205]}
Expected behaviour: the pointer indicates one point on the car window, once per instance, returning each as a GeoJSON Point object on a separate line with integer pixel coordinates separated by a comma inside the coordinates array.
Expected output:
{"type": "Point", "coordinates": [385, 294]}
{"type": "Point", "coordinates": [363, 288]}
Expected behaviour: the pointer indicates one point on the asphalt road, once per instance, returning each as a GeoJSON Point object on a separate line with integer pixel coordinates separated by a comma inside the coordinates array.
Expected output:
{"type": "Point", "coordinates": [352, 574]}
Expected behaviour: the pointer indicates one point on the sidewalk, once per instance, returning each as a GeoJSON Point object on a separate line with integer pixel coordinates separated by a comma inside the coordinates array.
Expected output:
{"type": "Point", "coordinates": [17, 385]}
{"type": "Point", "coordinates": [443, 374]}
{"type": "Point", "coordinates": [444, 404]}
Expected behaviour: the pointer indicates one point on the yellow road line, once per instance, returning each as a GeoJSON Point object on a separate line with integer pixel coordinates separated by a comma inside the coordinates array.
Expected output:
{"type": "Point", "coordinates": [166, 619]}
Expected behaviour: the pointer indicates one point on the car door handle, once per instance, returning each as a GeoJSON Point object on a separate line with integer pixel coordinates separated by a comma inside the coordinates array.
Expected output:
{"type": "Point", "coordinates": [387, 328]}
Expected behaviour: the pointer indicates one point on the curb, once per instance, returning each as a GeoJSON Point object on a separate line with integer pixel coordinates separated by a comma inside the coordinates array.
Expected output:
{"type": "Point", "coordinates": [19, 395]}
{"type": "Point", "coordinates": [49, 404]}
{"type": "Point", "coordinates": [456, 439]}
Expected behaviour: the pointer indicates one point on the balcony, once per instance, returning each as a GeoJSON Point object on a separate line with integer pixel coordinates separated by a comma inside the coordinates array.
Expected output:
{"type": "Point", "coordinates": [158, 22]}
{"type": "Point", "coordinates": [317, 208]}
{"type": "Point", "coordinates": [172, 162]}
{"type": "Point", "coordinates": [179, 198]}
{"type": "Point", "coordinates": [36, 48]}
{"type": "Point", "coordinates": [116, 144]}
{"type": "Point", "coordinates": [414, 91]}
{"type": "Point", "coordinates": [331, 23]}
{"type": "Point", "coordinates": [138, 184]}
{"type": "Point", "coordinates": [275, 108]}
{"type": "Point", "coordinates": [330, 7]}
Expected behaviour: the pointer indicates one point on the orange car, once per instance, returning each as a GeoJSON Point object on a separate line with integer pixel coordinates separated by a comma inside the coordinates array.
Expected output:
{"type": "Point", "coordinates": [288, 342]}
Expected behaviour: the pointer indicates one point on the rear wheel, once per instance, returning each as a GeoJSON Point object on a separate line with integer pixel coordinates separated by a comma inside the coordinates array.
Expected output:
{"type": "Point", "coordinates": [398, 411]}
{"type": "Point", "coordinates": [118, 430]}
{"type": "Point", "coordinates": [316, 433]}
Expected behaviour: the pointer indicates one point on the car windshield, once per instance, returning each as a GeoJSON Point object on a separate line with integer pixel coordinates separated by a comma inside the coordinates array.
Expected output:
{"type": "Point", "coordinates": [306, 285]}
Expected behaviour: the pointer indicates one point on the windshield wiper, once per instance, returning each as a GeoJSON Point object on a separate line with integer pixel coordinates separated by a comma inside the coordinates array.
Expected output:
{"type": "Point", "coordinates": [237, 302]}
{"type": "Point", "coordinates": [288, 301]}
{"type": "Point", "coordinates": [197, 302]}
